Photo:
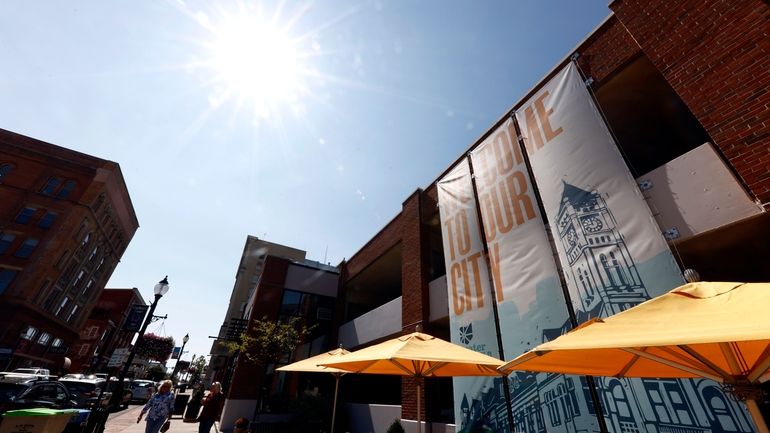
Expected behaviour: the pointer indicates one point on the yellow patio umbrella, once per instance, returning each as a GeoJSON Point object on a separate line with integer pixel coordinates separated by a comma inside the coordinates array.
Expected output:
{"type": "Point", "coordinates": [418, 355]}
{"type": "Point", "coordinates": [311, 365]}
{"type": "Point", "coordinates": [719, 331]}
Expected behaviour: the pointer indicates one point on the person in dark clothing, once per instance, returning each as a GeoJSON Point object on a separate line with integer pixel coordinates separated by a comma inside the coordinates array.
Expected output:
{"type": "Point", "coordinates": [212, 408]}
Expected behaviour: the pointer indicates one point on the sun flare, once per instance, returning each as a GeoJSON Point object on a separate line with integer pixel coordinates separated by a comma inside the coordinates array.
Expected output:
{"type": "Point", "coordinates": [255, 62]}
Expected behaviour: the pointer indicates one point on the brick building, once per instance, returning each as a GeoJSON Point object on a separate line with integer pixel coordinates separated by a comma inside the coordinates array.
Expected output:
{"type": "Point", "coordinates": [103, 331]}
{"type": "Point", "coordinates": [255, 252]}
{"type": "Point", "coordinates": [285, 288]}
{"type": "Point", "coordinates": [683, 86]}
{"type": "Point", "coordinates": [65, 220]}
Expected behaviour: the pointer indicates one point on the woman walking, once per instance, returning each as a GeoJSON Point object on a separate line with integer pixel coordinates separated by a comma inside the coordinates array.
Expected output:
{"type": "Point", "coordinates": [212, 408]}
{"type": "Point", "coordinates": [159, 408]}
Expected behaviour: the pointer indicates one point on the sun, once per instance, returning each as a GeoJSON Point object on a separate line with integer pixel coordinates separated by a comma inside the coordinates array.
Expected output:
{"type": "Point", "coordinates": [255, 61]}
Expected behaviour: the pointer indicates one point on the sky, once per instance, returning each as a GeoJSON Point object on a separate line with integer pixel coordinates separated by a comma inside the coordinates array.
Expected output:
{"type": "Point", "coordinates": [304, 123]}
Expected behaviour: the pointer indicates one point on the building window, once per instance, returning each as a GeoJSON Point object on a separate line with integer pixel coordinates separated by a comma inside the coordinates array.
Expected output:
{"type": "Point", "coordinates": [6, 239]}
{"type": "Point", "coordinates": [66, 190]}
{"type": "Point", "coordinates": [63, 304]}
{"type": "Point", "coordinates": [51, 186]}
{"type": "Point", "coordinates": [81, 274]}
{"type": "Point", "coordinates": [52, 298]}
{"type": "Point", "coordinates": [73, 314]}
{"type": "Point", "coordinates": [93, 254]}
{"type": "Point", "coordinates": [5, 169]}
{"type": "Point", "coordinates": [44, 339]}
{"type": "Point", "coordinates": [84, 350]}
{"type": "Point", "coordinates": [93, 331]}
{"type": "Point", "coordinates": [47, 221]}
{"type": "Point", "coordinates": [26, 248]}
{"type": "Point", "coordinates": [57, 342]}
{"type": "Point", "coordinates": [6, 278]}
{"type": "Point", "coordinates": [29, 333]}
{"type": "Point", "coordinates": [87, 288]}
{"type": "Point", "coordinates": [85, 240]}
{"type": "Point", "coordinates": [25, 215]}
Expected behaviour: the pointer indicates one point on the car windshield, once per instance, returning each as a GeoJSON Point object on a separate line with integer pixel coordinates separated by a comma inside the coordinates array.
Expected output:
{"type": "Point", "coordinates": [9, 391]}
{"type": "Point", "coordinates": [25, 370]}
{"type": "Point", "coordinates": [79, 387]}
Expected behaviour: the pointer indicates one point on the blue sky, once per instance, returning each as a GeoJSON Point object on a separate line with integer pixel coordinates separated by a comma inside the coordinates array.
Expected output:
{"type": "Point", "coordinates": [374, 100]}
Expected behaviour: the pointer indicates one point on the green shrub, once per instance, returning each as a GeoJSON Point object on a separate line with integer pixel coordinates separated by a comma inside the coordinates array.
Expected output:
{"type": "Point", "coordinates": [396, 427]}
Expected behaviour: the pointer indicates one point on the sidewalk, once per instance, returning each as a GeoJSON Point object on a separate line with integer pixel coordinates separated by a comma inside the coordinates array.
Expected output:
{"type": "Point", "coordinates": [125, 422]}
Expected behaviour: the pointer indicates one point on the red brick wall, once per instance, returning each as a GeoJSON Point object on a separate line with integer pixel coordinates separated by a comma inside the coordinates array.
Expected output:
{"type": "Point", "coordinates": [248, 377]}
{"type": "Point", "coordinates": [383, 241]}
{"type": "Point", "coordinates": [606, 50]}
{"type": "Point", "coordinates": [414, 288]}
{"type": "Point", "coordinates": [716, 56]}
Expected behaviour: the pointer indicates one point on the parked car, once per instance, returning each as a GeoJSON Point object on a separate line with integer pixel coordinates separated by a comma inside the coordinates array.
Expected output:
{"type": "Point", "coordinates": [128, 394]}
{"type": "Point", "coordinates": [143, 390]}
{"type": "Point", "coordinates": [35, 372]}
{"type": "Point", "coordinates": [25, 393]}
{"type": "Point", "coordinates": [86, 391]}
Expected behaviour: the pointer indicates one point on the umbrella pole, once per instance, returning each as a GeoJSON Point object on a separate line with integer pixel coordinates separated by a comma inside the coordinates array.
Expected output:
{"type": "Point", "coordinates": [419, 426]}
{"type": "Point", "coordinates": [334, 407]}
{"type": "Point", "coordinates": [756, 416]}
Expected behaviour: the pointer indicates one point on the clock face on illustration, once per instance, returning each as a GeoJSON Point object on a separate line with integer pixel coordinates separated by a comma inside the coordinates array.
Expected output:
{"type": "Point", "coordinates": [591, 224]}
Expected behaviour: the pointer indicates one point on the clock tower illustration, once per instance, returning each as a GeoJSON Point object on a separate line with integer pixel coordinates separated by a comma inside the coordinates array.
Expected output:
{"type": "Point", "coordinates": [599, 263]}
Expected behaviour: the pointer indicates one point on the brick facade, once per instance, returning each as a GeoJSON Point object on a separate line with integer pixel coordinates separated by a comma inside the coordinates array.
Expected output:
{"type": "Point", "coordinates": [716, 56]}
{"type": "Point", "coordinates": [74, 211]}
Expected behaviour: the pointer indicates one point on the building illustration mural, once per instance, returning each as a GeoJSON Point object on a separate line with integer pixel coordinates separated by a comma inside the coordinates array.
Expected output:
{"type": "Point", "coordinates": [609, 283]}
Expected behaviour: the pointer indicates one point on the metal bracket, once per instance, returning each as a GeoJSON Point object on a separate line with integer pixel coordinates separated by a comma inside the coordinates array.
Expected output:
{"type": "Point", "coordinates": [155, 318]}
{"type": "Point", "coordinates": [645, 184]}
{"type": "Point", "coordinates": [574, 56]}
{"type": "Point", "coordinates": [671, 234]}
{"type": "Point", "coordinates": [589, 81]}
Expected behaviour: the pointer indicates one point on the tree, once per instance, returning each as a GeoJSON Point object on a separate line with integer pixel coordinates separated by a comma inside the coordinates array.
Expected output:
{"type": "Point", "coordinates": [267, 341]}
{"type": "Point", "coordinates": [196, 369]}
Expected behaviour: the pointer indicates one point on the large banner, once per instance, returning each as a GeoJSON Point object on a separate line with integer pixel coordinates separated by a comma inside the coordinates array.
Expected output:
{"type": "Point", "coordinates": [531, 304]}
{"type": "Point", "coordinates": [471, 318]}
{"type": "Point", "coordinates": [611, 251]}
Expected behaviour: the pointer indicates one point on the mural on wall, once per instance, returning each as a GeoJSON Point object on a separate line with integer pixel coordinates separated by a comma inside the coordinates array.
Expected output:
{"type": "Point", "coordinates": [612, 253]}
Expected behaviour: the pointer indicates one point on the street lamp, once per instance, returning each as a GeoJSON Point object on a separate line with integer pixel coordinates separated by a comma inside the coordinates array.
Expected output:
{"type": "Point", "coordinates": [160, 289]}
{"type": "Point", "coordinates": [181, 352]}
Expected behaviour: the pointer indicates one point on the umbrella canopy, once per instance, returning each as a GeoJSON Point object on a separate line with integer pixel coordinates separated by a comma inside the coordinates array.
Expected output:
{"type": "Point", "coordinates": [418, 355]}
{"type": "Point", "coordinates": [310, 365]}
{"type": "Point", "coordinates": [720, 331]}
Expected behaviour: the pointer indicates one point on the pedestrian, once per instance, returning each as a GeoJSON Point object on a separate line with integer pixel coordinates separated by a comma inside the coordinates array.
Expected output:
{"type": "Point", "coordinates": [212, 408]}
{"type": "Point", "coordinates": [158, 409]}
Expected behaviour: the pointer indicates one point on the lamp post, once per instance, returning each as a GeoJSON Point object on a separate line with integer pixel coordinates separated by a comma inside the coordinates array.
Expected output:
{"type": "Point", "coordinates": [185, 339]}
{"type": "Point", "coordinates": [160, 289]}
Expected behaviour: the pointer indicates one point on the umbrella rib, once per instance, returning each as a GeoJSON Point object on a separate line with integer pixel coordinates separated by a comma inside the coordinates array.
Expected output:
{"type": "Point", "coordinates": [628, 366]}
{"type": "Point", "coordinates": [762, 366]}
{"type": "Point", "coordinates": [433, 368]}
{"type": "Point", "coordinates": [673, 364]}
{"type": "Point", "coordinates": [731, 358]}
{"type": "Point", "coordinates": [698, 357]}
{"type": "Point", "coordinates": [398, 364]}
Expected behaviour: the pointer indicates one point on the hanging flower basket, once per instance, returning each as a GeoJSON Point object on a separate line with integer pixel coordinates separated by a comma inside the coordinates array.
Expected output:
{"type": "Point", "coordinates": [154, 347]}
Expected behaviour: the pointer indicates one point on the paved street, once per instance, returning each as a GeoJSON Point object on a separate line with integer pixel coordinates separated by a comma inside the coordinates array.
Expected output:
{"type": "Point", "coordinates": [124, 421]}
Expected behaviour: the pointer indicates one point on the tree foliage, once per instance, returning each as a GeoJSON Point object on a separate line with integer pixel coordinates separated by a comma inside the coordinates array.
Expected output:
{"type": "Point", "coordinates": [154, 347]}
{"type": "Point", "coordinates": [196, 369]}
{"type": "Point", "coordinates": [267, 341]}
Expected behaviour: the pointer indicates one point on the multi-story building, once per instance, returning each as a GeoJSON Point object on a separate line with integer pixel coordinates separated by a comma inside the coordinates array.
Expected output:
{"type": "Point", "coordinates": [682, 88]}
{"type": "Point", "coordinates": [103, 331]}
{"type": "Point", "coordinates": [250, 268]}
{"type": "Point", "coordinates": [65, 220]}
{"type": "Point", "coordinates": [285, 289]}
